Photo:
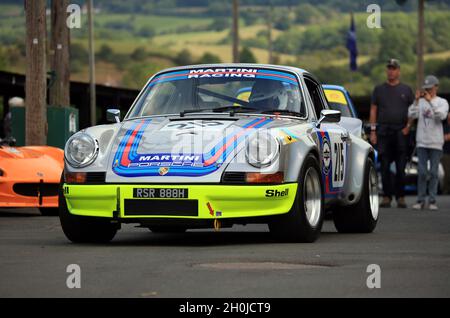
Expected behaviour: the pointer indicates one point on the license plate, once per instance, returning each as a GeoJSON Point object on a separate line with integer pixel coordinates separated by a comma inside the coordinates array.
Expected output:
{"type": "Point", "coordinates": [161, 193]}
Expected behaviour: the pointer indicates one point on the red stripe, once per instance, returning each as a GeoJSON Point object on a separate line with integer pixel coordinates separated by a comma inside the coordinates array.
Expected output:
{"type": "Point", "coordinates": [168, 76]}
{"type": "Point", "coordinates": [208, 73]}
{"type": "Point", "coordinates": [233, 139]}
{"type": "Point", "coordinates": [276, 75]}
{"type": "Point", "coordinates": [211, 211]}
{"type": "Point", "coordinates": [124, 161]}
{"type": "Point", "coordinates": [327, 187]}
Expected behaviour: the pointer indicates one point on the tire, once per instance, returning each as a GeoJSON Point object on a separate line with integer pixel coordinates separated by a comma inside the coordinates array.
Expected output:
{"type": "Point", "coordinates": [49, 211]}
{"type": "Point", "coordinates": [361, 217]}
{"type": "Point", "coordinates": [304, 222]}
{"type": "Point", "coordinates": [167, 229]}
{"type": "Point", "coordinates": [82, 229]}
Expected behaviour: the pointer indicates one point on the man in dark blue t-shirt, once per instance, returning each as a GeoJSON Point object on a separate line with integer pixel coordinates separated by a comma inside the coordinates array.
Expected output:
{"type": "Point", "coordinates": [390, 131]}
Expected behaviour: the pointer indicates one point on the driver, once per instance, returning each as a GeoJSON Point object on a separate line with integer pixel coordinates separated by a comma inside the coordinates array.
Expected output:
{"type": "Point", "coordinates": [268, 95]}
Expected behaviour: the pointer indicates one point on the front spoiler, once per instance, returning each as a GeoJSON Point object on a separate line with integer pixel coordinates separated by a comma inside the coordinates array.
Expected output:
{"type": "Point", "coordinates": [214, 201]}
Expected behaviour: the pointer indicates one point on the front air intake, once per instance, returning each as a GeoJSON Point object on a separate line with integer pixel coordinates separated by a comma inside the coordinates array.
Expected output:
{"type": "Point", "coordinates": [36, 189]}
{"type": "Point", "coordinates": [234, 177]}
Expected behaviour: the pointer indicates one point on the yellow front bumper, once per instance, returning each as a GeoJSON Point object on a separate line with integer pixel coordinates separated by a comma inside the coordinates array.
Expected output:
{"type": "Point", "coordinates": [214, 201]}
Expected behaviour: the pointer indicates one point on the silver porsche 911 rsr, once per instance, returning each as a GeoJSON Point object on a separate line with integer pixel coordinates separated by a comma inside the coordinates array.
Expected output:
{"type": "Point", "coordinates": [208, 146]}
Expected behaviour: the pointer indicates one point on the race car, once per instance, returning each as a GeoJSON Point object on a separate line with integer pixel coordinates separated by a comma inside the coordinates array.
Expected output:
{"type": "Point", "coordinates": [30, 177]}
{"type": "Point", "coordinates": [185, 156]}
{"type": "Point", "coordinates": [338, 98]}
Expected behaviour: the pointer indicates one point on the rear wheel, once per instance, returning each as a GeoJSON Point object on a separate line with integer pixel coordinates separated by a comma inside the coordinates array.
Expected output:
{"type": "Point", "coordinates": [304, 222]}
{"type": "Point", "coordinates": [82, 229]}
{"type": "Point", "coordinates": [361, 217]}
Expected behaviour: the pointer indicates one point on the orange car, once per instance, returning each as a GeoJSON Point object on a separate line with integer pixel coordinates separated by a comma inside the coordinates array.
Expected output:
{"type": "Point", "coordinates": [29, 177]}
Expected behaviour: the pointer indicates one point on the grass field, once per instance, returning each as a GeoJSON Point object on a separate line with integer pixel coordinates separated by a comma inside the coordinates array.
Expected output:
{"type": "Point", "coordinates": [158, 23]}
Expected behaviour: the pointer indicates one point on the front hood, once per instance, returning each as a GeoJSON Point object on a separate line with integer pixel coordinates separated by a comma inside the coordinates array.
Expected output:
{"type": "Point", "coordinates": [175, 150]}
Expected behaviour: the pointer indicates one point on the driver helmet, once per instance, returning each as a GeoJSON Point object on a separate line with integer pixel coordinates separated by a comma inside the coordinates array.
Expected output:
{"type": "Point", "coordinates": [268, 95]}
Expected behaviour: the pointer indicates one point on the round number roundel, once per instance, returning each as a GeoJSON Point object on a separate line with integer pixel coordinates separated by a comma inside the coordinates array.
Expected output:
{"type": "Point", "coordinates": [326, 155]}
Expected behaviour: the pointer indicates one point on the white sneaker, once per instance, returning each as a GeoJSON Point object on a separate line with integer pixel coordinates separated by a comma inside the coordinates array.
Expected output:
{"type": "Point", "coordinates": [433, 207]}
{"type": "Point", "coordinates": [418, 206]}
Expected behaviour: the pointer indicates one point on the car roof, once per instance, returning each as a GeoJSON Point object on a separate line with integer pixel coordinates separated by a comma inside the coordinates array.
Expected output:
{"type": "Point", "coordinates": [236, 65]}
{"type": "Point", "coordinates": [335, 87]}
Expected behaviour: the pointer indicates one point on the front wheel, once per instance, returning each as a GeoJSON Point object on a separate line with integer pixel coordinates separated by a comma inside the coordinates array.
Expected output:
{"type": "Point", "coordinates": [304, 222]}
{"type": "Point", "coordinates": [361, 217]}
{"type": "Point", "coordinates": [82, 229]}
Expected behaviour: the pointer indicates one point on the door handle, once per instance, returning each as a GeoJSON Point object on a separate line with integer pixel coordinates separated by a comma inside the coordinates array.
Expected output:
{"type": "Point", "coordinates": [344, 136]}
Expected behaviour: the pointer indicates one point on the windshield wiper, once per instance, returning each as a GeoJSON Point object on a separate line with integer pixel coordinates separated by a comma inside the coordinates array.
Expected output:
{"type": "Point", "coordinates": [231, 109]}
{"type": "Point", "coordinates": [234, 109]}
{"type": "Point", "coordinates": [188, 111]}
{"type": "Point", "coordinates": [283, 111]}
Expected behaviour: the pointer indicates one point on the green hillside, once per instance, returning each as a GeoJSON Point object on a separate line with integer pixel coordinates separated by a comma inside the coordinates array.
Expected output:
{"type": "Point", "coordinates": [133, 44]}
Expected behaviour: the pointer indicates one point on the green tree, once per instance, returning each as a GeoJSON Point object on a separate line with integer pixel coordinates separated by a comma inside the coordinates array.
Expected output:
{"type": "Point", "coordinates": [395, 43]}
{"type": "Point", "coordinates": [78, 52]}
{"type": "Point", "coordinates": [282, 24]}
{"type": "Point", "coordinates": [146, 31]}
{"type": "Point", "coordinates": [3, 59]}
{"type": "Point", "coordinates": [306, 13]}
{"type": "Point", "coordinates": [137, 74]}
{"type": "Point", "coordinates": [250, 16]}
{"type": "Point", "coordinates": [219, 24]}
{"type": "Point", "coordinates": [246, 56]}
{"type": "Point", "coordinates": [219, 8]}
{"type": "Point", "coordinates": [209, 58]}
{"type": "Point", "coordinates": [184, 57]}
{"type": "Point", "coordinates": [139, 54]}
{"type": "Point", "coordinates": [105, 53]}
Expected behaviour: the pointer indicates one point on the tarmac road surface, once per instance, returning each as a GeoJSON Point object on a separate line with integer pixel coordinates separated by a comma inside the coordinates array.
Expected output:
{"type": "Point", "coordinates": [410, 248]}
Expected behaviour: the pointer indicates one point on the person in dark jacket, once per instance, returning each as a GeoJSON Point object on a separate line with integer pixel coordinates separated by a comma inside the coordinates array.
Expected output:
{"type": "Point", "coordinates": [390, 131]}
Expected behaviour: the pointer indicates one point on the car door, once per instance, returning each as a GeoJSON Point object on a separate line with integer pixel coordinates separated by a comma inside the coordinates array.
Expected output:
{"type": "Point", "coordinates": [332, 141]}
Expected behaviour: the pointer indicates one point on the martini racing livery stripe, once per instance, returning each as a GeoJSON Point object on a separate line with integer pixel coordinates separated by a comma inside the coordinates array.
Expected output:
{"type": "Point", "coordinates": [128, 163]}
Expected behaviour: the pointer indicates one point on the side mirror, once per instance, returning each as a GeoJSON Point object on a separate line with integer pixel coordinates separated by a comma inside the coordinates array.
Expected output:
{"type": "Point", "coordinates": [113, 115]}
{"type": "Point", "coordinates": [329, 116]}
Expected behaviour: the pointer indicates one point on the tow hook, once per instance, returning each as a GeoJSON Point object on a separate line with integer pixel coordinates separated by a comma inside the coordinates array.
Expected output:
{"type": "Point", "coordinates": [217, 225]}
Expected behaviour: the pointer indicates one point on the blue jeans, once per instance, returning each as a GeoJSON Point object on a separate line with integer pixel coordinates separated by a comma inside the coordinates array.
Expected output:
{"type": "Point", "coordinates": [434, 156]}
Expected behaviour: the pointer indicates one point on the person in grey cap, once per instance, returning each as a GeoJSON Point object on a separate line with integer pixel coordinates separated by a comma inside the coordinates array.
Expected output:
{"type": "Point", "coordinates": [430, 110]}
{"type": "Point", "coordinates": [389, 131]}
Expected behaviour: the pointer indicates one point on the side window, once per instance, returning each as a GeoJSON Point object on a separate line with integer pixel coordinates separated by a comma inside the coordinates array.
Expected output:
{"type": "Point", "coordinates": [316, 97]}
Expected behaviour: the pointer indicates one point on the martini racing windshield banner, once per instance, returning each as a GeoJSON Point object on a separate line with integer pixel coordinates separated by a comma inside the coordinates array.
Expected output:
{"type": "Point", "coordinates": [230, 73]}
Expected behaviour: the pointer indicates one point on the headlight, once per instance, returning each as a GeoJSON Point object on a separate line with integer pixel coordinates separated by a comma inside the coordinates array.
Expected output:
{"type": "Point", "coordinates": [81, 150]}
{"type": "Point", "coordinates": [262, 149]}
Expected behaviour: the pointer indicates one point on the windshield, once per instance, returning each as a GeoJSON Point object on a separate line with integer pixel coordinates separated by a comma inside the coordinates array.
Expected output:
{"type": "Point", "coordinates": [251, 89]}
{"type": "Point", "coordinates": [343, 108]}
{"type": "Point", "coordinates": [337, 101]}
